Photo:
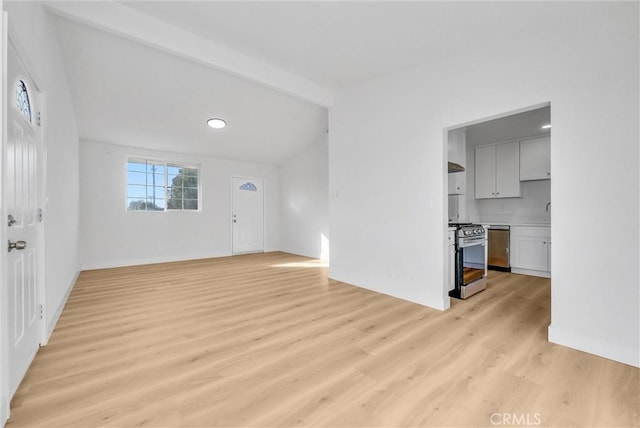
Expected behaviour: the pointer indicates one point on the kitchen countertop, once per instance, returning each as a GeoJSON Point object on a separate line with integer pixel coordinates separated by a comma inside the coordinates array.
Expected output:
{"type": "Point", "coordinates": [515, 223]}
{"type": "Point", "coordinates": [508, 223]}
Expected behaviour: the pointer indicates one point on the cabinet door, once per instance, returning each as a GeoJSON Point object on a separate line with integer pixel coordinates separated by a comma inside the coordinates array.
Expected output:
{"type": "Point", "coordinates": [535, 161]}
{"type": "Point", "coordinates": [452, 261]}
{"type": "Point", "coordinates": [457, 147]}
{"type": "Point", "coordinates": [456, 183]}
{"type": "Point", "coordinates": [508, 170]}
{"type": "Point", "coordinates": [531, 252]}
{"type": "Point", "coordinates": [549, 255]}
{"type": "Point", "coordinates": [485, 172]}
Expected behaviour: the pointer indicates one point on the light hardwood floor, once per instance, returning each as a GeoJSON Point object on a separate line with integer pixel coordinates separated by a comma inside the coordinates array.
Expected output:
{"type": "Point", "coordinates": [267, 340]}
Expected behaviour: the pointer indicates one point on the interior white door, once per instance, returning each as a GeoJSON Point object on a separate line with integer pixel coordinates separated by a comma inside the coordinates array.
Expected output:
{"type": "Point", "coordinates": [21, 171]}
{"type": "Point", "coordinates": [247, 216]}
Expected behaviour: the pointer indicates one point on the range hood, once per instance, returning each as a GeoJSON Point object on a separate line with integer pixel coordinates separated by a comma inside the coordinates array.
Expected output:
{"type": "Point", "coordinates": [455, 167]}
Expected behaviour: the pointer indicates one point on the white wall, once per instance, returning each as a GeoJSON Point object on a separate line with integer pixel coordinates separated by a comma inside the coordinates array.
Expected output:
{"type": "Point", "coordinates": [36, 32]}
{"type": "Point", "coordinates": [304, 202]}
{"type": "Point", "coordinates": [388, 222]}
{"type": "Point", "coordinates": [112, 236]}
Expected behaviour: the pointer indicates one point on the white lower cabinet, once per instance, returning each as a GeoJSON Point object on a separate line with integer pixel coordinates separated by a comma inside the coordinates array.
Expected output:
{"type": "Point", "coordinates": [452, 260]}
{"type": "Point", "coordinates": [531, 250]}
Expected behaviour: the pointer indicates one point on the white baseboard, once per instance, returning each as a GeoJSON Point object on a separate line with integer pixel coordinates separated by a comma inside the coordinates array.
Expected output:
{"type": "Point", "coordinates": [51, 324]}
{"type": "Point", "coordinates": [150, 261]}
{"type": "Point", "coordinates": [439, 304]}
{"type": "Point", "coordinates": [540, 273]}
{"type": "Point", "coordinates": [594, 346]}
{"type": "Point", "coordinates": [4, 411]}
{"type": "Point", "coordinates": [301, 252]}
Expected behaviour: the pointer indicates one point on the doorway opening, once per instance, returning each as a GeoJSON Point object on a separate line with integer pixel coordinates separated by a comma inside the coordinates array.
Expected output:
{"type": "Point", "coordinates": [501, 179]}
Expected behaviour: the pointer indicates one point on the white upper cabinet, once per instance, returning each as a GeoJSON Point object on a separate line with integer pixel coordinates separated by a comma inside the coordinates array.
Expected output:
{"type": "Point", "coordinates": [457, 152]}
{"type": "Point", "coordinates": [486, 172]}
{"type": "Point", "coordinates": [535, 157]}
{"type": "Point", "coordinates": [498, 171]}
{"type": "Point", "coordinates": [456, 183]}
{"type": "Point", "coordinates": [508, 170]}
{"type": "Point", "coordinates": [457, 146]}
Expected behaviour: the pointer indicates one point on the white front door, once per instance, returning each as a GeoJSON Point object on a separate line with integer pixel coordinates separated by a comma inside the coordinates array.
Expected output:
{"type": "Point", "coordinates": [22, 164]}
{"type": "Point", "coordinates": [247, 215]}
{"type": "Point", "coordinates": [4, 384]}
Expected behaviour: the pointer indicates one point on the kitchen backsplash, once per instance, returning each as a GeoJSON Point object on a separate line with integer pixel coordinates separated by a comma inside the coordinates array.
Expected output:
{"type": "Point", "coordinates": [530, 208]}
{"type": "Point", "coordinates": [454, 207]}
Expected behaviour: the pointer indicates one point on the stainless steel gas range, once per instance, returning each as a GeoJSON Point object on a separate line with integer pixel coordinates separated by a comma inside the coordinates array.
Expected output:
{"type": "Point", "coordinates": [470, 260]}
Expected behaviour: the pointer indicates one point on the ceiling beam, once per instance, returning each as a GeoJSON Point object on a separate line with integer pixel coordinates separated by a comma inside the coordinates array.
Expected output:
{"type": "Point", "coordinates": [136, 26]}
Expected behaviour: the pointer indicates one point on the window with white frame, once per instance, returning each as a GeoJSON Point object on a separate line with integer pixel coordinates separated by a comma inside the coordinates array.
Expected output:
{"type": "Point", "coordinates": [22, 100]}
{"type": "Point", "coordinates": [154, 185]}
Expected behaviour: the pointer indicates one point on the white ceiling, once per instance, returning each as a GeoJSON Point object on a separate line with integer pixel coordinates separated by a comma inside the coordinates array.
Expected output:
{"type": "Point", "coordinates": [339, 43]}
{"type": "Point", "coordinates": [129, 94]}
{"type": "Point", "coordinates": [526, 124]}
{"type": "Point", "coordinates": [161, 68]}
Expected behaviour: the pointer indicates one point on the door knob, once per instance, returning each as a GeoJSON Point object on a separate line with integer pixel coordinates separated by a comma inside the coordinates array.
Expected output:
{"type": "Point", "coordinates": [10, 220]}
{"type": "Point", "coordinates": [18, 245]}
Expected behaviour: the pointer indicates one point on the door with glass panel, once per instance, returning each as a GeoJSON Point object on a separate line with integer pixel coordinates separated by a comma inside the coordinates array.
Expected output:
{"type": "Point", "coordinates": [247, 216]}
{"type": "Point", "coordinates": [22, 175]}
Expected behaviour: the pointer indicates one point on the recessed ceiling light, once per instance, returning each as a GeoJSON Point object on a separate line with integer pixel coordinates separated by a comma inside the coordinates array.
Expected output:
{"type": "Point", "coordinates": [546, 126]}
{"type": "Point", "coordinates": [216, 123]}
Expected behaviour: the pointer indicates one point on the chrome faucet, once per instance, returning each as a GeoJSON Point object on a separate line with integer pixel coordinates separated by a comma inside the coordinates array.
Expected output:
{"type": "Point", "coordinates": [548, 207]}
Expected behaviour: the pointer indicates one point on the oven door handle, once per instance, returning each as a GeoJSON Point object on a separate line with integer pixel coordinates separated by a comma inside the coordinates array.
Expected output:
{"type": "Point", "coordinates": [471, 243]}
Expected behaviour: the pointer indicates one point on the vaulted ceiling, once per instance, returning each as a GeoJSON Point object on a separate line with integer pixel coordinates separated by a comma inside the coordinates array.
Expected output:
{"type": "Point", "coordinates": [150, 73]}
{"type": "Point", "coordinates": [129, 94]}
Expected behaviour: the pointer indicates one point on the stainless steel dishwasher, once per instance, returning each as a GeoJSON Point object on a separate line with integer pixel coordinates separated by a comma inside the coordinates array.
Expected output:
{"type": "Point", "coordinates": [498, 248]}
